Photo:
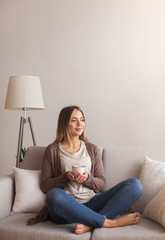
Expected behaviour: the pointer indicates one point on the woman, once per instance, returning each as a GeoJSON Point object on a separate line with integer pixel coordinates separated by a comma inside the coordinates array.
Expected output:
{"type": "Point", "coordinates": [79, 198]}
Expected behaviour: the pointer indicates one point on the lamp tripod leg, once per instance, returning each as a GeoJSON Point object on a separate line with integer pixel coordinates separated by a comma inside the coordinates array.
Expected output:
{"type": "Point", "coordinates": [32, 132]}
{"type": "Point", "coordinates": [20, 140]}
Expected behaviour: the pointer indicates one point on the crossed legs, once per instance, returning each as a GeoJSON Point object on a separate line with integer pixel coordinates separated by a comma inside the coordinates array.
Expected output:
{"type": "Point", "coordinates": [100, 211]}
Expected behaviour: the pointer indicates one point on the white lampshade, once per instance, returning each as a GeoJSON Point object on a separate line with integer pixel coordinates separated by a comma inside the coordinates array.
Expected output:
{"type": "Point", "coordinates": [24, 92]}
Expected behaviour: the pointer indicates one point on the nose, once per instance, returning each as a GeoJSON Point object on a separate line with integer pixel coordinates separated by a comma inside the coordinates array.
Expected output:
{"type": "Point", "coordinates": [78, 122]}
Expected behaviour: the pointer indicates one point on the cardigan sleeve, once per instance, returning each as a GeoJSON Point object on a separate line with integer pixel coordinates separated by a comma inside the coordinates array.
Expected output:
{"type": "Point", "coordinates": [50, 172]}
{"type": "Point", "coordinates": [95, 181]}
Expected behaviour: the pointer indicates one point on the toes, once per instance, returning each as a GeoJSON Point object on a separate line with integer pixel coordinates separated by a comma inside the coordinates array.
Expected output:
{"type": "Point", "coordinates": [137, 214]}
{"type": "Point", "coordinates": [78, 232]}
{"type": "Point", "coordinates": [78, 229]}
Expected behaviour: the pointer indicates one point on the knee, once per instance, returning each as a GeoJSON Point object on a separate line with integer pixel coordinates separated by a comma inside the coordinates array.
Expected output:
{"type": "Point", "coordinates": [54, 196]}
{"type": "Point", "coordinates": [137, 186]}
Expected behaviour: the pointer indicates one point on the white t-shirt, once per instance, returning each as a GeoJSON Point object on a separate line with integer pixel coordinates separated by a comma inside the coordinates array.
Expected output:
{"type": "Point", "coordinates": [81, 158]}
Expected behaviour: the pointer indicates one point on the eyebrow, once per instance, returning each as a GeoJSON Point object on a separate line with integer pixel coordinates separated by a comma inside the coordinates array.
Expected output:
{"type": "Point", "coordinates": [80, 118]}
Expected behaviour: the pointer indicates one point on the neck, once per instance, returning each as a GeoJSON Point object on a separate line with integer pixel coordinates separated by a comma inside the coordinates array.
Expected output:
{"type": "Point", "coordinates": [72, 144]}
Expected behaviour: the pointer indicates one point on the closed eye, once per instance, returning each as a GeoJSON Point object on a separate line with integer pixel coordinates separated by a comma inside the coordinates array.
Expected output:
{"type": "Point", "coordinates": [75, 119]}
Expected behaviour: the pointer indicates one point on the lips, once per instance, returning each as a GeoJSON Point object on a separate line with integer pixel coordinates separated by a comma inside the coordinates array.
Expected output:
{"type": "Point", "coordinates": [78, 129]}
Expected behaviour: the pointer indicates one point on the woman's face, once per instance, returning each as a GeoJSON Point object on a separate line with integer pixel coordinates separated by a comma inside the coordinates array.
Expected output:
{"type": "Point", "coordinates": [76, 124]}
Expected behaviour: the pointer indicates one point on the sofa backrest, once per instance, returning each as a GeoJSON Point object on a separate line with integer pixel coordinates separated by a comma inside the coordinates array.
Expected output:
{"type": "Point", "coordinates": [120, 163]}
{"type": "Point", "coordinates": [33, 158]}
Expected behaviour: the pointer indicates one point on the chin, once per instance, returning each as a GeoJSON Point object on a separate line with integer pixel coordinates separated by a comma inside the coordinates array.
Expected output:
{"type": "Point", "coordinates": [78, 134]}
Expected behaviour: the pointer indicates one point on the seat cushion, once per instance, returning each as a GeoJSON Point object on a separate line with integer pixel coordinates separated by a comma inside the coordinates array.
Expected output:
{"type": "Point", "coordinates": [144, 230]}
{"type": "Point", "coordinates": [14, 228]}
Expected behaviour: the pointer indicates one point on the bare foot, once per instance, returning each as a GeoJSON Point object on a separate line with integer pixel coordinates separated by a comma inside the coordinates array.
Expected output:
{"type": "Point", "coordinates": [81, 228]}
{"type": "Point", "coordinates": [129, 219]}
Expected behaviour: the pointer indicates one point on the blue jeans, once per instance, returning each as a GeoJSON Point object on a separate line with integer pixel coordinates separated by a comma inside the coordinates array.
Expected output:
{"type": "Point", "coordinates": [64, 209]}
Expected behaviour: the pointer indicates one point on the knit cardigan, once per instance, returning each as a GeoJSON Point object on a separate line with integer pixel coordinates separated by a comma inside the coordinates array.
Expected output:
{"type": "Point", "coordinates": [52, 177]}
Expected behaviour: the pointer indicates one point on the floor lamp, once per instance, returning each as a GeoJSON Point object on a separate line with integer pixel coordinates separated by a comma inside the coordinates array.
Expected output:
{"type": "Point", "coordinates": [24, 93]}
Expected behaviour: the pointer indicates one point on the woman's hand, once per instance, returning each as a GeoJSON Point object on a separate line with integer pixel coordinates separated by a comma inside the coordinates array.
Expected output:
{"type": "Point", "coordinates": [70, 176]}
{"type": "Point", "coordinates": [77, 177]}
{"type": "Point", "coordinates": [80, 178]}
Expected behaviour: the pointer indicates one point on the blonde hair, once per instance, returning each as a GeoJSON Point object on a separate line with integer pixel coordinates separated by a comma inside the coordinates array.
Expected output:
{"type": "Point", "coordinates": [63, 123]}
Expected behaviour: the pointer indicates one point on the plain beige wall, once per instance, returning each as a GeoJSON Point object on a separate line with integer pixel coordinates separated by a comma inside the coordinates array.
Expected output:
{"type": "Point", "coordinates": [107, 56]}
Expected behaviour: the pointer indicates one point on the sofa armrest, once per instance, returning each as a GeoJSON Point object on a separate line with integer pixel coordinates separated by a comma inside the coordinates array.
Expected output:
{"type": "Point", "coordinates": [7, 193]}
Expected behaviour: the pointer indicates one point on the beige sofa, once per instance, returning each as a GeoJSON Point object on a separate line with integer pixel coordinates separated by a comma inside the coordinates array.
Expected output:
{"type": "Point", "coordinates": [119, 162]}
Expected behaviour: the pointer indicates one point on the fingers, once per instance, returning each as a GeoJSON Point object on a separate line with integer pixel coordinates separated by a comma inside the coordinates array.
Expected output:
{"type": "Point", "coordinates": [77, 177]}
{"type": "Point", "coordinates": [70, 176]}
{"type": "Point", "coordinates": [80, 178]}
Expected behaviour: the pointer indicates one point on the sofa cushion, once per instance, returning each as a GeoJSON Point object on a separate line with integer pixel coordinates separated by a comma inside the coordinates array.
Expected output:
{"type": "Point", "coordinates": [144, 230]}
{"type": "Point", "coordinates": [29, 197]}
{"type": "Point", "coordinates": [14, 228]}
{"type": "Point", "coordinates": [152, 178]}
{"type": "Point", "coordinates": [155, 210]}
